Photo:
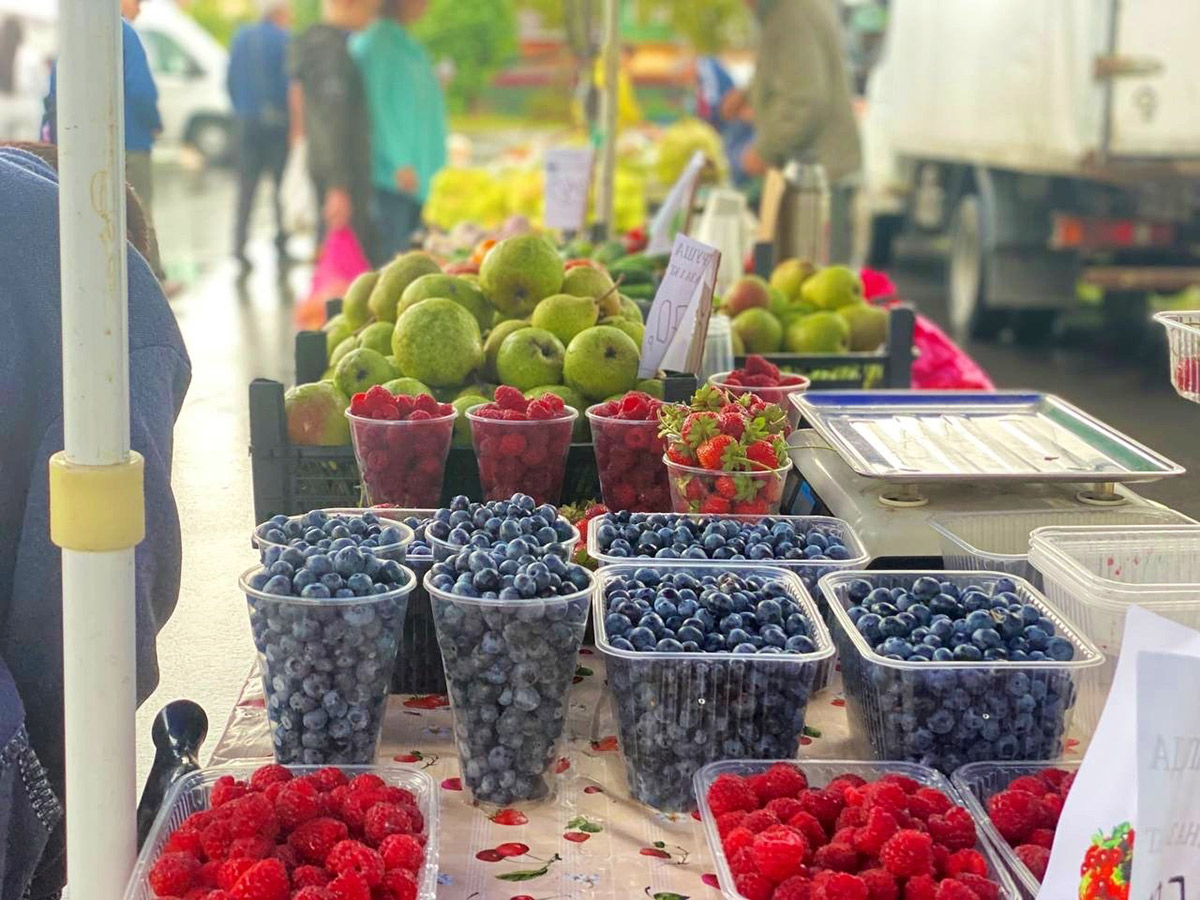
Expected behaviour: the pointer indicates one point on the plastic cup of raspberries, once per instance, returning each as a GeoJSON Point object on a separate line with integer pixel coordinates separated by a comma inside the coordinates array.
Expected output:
{"type": "Point", "coordinates": [302, 832]}
{"type": "Point", "coordinates": [762, 378]}
{"type": "Point", "coordinates": [329, 530]}
{"type": "Point", "coordinates": [510, 621]}
{"type": "Point", "coordinates": [326, 631]}
{"type": "Point", "coordinates": [522, 445]}
{"type": "Point", "coordinates": [629, 450]}
{"type": "Point", "coordinates": [784, 831]}
{"type": "Point", "coordinates": [401, 444]}
{"type": "Point", "coordinates": [465, 524]}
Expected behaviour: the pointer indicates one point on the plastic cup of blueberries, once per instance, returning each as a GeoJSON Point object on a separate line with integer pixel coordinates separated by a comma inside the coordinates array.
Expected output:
{"type": "Point", "coordinates": [522, 456]}
{"type": "Point", "coordinates": [509, 667]}
{"type": "Point", "coordinates": [326, 665]}
{"type": "Point", "coordinates": [402, 463]}
{"type": "Point", "coordinates": [444, 549]}
{"type": "Point", "coordinates": [629, 461]}
{"type": "Point", "coordinates": [944, 714]}
{"type": "Point", "coordinates": [293, 532]}
{"type": "Point", "coordinates": [695, 490]}
{"type": "Point", "coordinates": [777, 395]}
{"type": "Point", "coordinates": [678, 711]}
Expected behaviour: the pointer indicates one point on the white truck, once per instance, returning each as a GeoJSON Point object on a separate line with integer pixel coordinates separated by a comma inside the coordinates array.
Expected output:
{"type": "Point", "coordinates": [1054, 141]}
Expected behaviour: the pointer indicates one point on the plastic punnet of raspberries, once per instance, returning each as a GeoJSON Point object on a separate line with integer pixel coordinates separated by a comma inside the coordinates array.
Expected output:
{"type": "Point", "coordinates": [761, 378]}
{"type": "Point", "coordinates": [880, 853]}
{"type": "Point", "coordinates": [522, 444]}
{"type": "Point", "coordinates": [401, 444]}
{"type": "Point", "coordinates": [1026, 814]}
{"type": "Point", "coordinates": [629, 453]}
{"type": "Point", "coordinates": [260, 841]}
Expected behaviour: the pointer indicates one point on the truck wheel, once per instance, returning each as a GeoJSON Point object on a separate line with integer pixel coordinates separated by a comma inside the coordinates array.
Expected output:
{"type": "Point", "coordinates": [212, 137]}
{"type": "Point", "coordinates": [966, 281]}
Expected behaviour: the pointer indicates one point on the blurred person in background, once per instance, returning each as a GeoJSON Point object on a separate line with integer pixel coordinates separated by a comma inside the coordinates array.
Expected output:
{"type": "Point", "coordinates": [328, 106]}
{"type": "Point", "coordinates": [726, 107]}
{"type": "Point", "coordinates": [258, 87]}
{"type": "Point", "coordinates": [408, 123]}
{"type": "Point", "coordinates": [24, 80]}
{"type": "Point", "coordinates": [801, 103]}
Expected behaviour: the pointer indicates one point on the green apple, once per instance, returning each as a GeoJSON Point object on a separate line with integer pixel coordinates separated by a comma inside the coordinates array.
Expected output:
{"type": "Point", "coordinates": [361, 369]}
{"type": "Point", "coordinates": [868, 325]}
{"type": "Point", "coordinates": [601, 361]}
{"type": "Point", "coordinates": [355, 304]}
{"type": "Point", "coordinates": [479, 389]}
{"type": "Point", "coordinates": [437, 342]}
{"type": "Point", "coordinates": [565, 316]}
{"type": "Point", "coordinates": [652, 386]}
{"type": "Point", "coordinates": [589, 281]}
{"type": "Point", "coordinates": [316, 415]}
{"type": "Point", "coordinates": [530, 357]}
{"type": "Point", "coordinates": [519, 272]}
{"type": "Point", "coordinates": [340, 351]}
{"type": "Point", "coordinates": [630, 310]}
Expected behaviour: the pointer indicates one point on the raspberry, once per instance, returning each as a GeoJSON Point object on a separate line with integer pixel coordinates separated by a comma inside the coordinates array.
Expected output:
{"type": "Point", "coordinates": [349, 886]}
{"type": "Point", "coordinates": [1030, 784]}
{"type": "Point", "coordinates": [981, 887]}
{"type": "Point", "coordinates": [1015, 814]}
{"type": "Point", "coordinates": [885, 794]}
{"type": "Point", "coordinates": [838, 857]}
{"type": "Point", "coordinates": [780, 853]}
{"type": "Point", "coordinates": [267, 879]}
{"type": "Point", "coordinates": [844, 836]}
{"type": "Point", "coordinates": [754, 886]}
{"type": "Point", "coordinates": [206, 875]}
{"type": "Point", "coordinates": [310, 876]}
{"type": "Point", "coordinates": [731, 792]}
{"type": "Point", "coordinates": [215, 839]}
{"type": "Point", "coordinates": [402, 851]}
{"type": "Point", "coordinates": [224, 789]}
{"type": "Point", "coordinates": [352, 856]}
{"type": "Point", "coordinates": [966, 861]}
{"type": "Point", "coordinates": [296, 804]}
{"type": "Point", "coordinates": [795, 888]}
{"type": "Point", "coordinates": [907, 854]}
{"type": "Point", "coordinates": [1055, 778]}
{"type": "Point", "coordinates": [844, 781]}
{"type": "Point", "coordinates": [923, 887]}
{"type": "Point", "coordinates": [760, 820]}
{"type": "Point", "coordinates": [955, 830]}
{"type": "Point", "coordinates": [1052, 806]}
{"type": "Point", "coordinates": [908, 785]}
{"type": "Point", "coordinates": [737, 839]}
{"type": "Point", "coordinates": [851, 817]}
{"type": "Point", "coordinates": [726, 822]}
{"type": "Point", "coordinates": [269, 775]}
{"type": "Point", "coordinates": [385, 819]}
{"type": "Point", "coordinates": [927, 802]}
{"type": "Point", "coordinates": [880, 826]}
{"type": "Point", "coordinates": [940, 857]}
{"type": "Point", "coordinates": [185, 839]}
{"type": "Point", "coordinates": [811, 828]}
{"type": "Point", "coordinates": [328, 778]}
{"type": "Point", "coordinates": [825, 805]}
{"type": "Point", "coordinates": [510, 398]}
{"type": "Point", "coordinates": [314, 839]}
{"type": "Point", "coordinates": [253, 816]}
{"type": "Point", "coordinates": [743, 862]}
{"type": "Point", "coordinates": [880, 884]}
{"type": "Point", "coordinates": [256, 847]}
{"type": "Point", "coordinates": [233, 869]}
{"type": "Point", "coordinates": [287, 855]}
{"type": "Point", "coordinates": [354, 808]}
{"type": "Point", "coordinates": [784, 807]}
{"type": "Point", "coordinates": [838, 886]}
{"type": "Point", "coordinates": [954, 890]}
{"type": "Point", "coordinates": [401, 885]}
{"type": "Point", "coordinates": [781, 780]}
{"type": "Point", "coordinates": [1042, 837]}
{"type": "Point", "coordinates": [1064, 786]}
{"type": "Point", "coordinates": [312, 892]}
{"type": "Point", "coordinates": [173, 874]}
{"type": "Point", "coordinates": [1035, 858]}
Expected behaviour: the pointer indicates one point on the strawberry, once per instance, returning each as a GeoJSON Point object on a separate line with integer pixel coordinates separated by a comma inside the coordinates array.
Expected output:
{"type": "Point", "coordinates": [699, 427]}
{"type": "Point", "coordinates": [730, 421]}
{"type": "Point", "coordinates": [680, 453]}
{"type": "Point", "coordinates": [726, 487]}
{"type": "Point", "coordinates": [768, 453]}
{"type": "Point", "coordinates": [720, 452]}
{"type": "Point", "coordinates": [715, 505]}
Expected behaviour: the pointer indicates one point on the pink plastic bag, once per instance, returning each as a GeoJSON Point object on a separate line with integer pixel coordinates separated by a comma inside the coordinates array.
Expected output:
{"type": "Point", "coordinates": [341, 261]}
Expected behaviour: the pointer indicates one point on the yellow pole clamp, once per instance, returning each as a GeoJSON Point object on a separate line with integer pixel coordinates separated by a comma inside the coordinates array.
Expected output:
{"type": "Point", "coordinates": [97, 508]}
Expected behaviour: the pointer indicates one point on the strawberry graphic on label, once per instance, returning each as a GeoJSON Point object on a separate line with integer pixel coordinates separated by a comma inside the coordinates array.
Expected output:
{"type": "Point", "coordinates": [428, 701]}
{"type": "Point", "coordinates": [577, 837]}
{"type": "Point", "coordinates": [1107, 865]}
{"type": "Point", "coordinates": [489, 855]}
{"type": "Point", "coordinates": [661, 850]}
{"type": "Point", "coordinates": [561, 766]}
{"type": "Point", "coordinates": [593, 789]}
{"type": "Point", "coordinates": [513, 849]}
{"type": "Point", "coordinates": [606, 744]}
{"type": "Point", "coordinates": [510, 817]}
{"type": "Point", "coordinates": [452, 784]}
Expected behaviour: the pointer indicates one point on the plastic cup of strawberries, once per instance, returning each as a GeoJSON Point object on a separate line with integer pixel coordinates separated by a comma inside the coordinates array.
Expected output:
{"type": "Point", "coordinates": [725, 454]}
{"type": "Point", "coordinates": [763, 379]}
{"type": "Point", "coordinates": [401, 444]}
{"type": "Point", "coordinates": [522, 445]}
{"type": "Point", "coordinates": [629, 453]}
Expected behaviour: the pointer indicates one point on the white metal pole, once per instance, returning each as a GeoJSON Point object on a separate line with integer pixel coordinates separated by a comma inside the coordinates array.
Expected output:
{"type": "Point", "coordinates": [98, 587]}
{"type": "Point", "coordinates": [609, 101]}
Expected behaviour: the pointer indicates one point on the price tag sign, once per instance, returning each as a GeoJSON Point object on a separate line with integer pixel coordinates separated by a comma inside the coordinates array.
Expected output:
{"type": "Point", "coordinates": [678, 322]}
{"type": "Point", "coordinates": [672, 215]}
{"type": "Point", "coordinates": [568, 183]}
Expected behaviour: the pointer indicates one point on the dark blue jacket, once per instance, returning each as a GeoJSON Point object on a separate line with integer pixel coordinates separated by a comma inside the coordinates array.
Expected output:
{"type": "Point", "coordinates": [257, 79]}
{"type": "Point", "coordinates": [142, 121]}
{"type": "Point", "coordinates": [31, 385]}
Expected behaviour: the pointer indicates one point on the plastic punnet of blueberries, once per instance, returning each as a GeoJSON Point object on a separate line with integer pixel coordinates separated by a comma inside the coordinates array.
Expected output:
{"type": "Point", "coordinates": [705, 665]}
{"type": "Point", "coordinates": [326, 626]}
{"type": "Point", "coordinates": [331, 530]}
{"type": "Point", "coordinates": [510, 618]}
{"type": "Point", "coordinates": [466, 524]}
{"type": "Point", "coordinates": [957, 669]}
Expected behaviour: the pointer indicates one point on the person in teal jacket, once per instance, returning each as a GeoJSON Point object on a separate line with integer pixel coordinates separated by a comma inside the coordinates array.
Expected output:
{"type": "Point", "coordinates": [408, 121]}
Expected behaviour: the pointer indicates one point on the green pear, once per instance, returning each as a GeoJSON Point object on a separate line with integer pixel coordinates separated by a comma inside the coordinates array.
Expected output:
{"type": "Point", "coordinates": [461, 291]}
{"type": "Point", "coordinates": [355, 304]}
{"type": "Point", "coordinates": [601, 361]}
{"type": "Point", "coordinates": [438, 342]}
{"type": "Point", "coordinates": [336, 330]}
{"type": "Point", "coordinates": [408, 386]}
{"type": "Point", "coordinates": [832, 288]}
{"type": "Point", "coordinates": [789, 277]}
{"type": "Point", "coordinates": [519, 272]}
{"type": "Point", "coordinates": [340, 351]}
{"type": "Point", "coordinates": [462, 425]}
{"type": "Point", "coordinates": [588, 281]}
{"type": "Point", "coordinates": [655, 387]}
{"type": "Point", "coordinates": [630, 310]}
{"type": "Point", "coordinates": [565, 316]}
{"type": "Point", "coordinates": [821, 332]}
{"type": "Point", "coordinates": [394, 278]}
{"type": "Point", "coordinates": [316, 415]}
{"type": "Point", "coordinates": [759, 330]}
{"type": "Point", "coordinates": [530, 357]}
{"type": "Point", "coordinates": [748, 292]}
{"type": "Point", "coordinates": [361, 369]}
{"type": "Point", "coordinates": [491, 346]}
{"type": "Point", "coordinates": [378, 337]}
{"type": "Point", "coordinates": [635, 330]}
{"type": "Point", "coordinates": [480, 389]}
{"type": "Point", "coordinates": [868, 325]}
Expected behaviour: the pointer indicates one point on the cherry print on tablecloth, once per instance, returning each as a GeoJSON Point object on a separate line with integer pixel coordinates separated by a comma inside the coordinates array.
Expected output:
{"type": "Point", "coordinates": [509, 817]}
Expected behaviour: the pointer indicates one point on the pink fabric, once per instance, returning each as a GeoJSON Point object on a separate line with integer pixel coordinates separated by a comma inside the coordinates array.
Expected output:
{"type": "Point", "coordinates": [341, 261]}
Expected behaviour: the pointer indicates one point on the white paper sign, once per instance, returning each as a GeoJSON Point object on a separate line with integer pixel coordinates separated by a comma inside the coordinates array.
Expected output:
{"type": "Point", "coordinates": [568, 183]}
{"type": "Point", "coordinates": [668, 221]}
{"type": "Point", "coordinates": [1104, 797]}
{"type": "Point", "coordinates": [681, 309]}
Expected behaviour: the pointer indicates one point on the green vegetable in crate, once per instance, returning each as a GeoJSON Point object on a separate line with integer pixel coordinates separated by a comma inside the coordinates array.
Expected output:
{"type": "Point", "coordinates": [355, 304]}
{"type": "Point", "coordinates": [438, 342]}
{"type": "Point", "coordinates": [609, 252]}
{"type": "Point", "coordinates": [394, 278]}
{"type": "Point", "coordinates": [460, 290]}
{"type": "Point", "coordinates": [316, 415]}
{"type": "Point", "coordinates": [639, 291]}
{"type": "Point", "coordinates": [637, 269]}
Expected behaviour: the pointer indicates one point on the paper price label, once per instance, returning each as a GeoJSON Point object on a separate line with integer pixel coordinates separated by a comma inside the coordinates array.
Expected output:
{"type": "Point", "coordinates": [568, 184]}
{"type": "Point", "coordinates": [669, 219]}
{"type": "Point", "coordinates": [678, 320]}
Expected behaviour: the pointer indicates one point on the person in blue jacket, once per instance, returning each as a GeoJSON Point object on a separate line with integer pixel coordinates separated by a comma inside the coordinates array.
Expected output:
{"type": "Point", "coordinates": [31, 679]}
{"type": "Point", "coordinates": [258, 86]}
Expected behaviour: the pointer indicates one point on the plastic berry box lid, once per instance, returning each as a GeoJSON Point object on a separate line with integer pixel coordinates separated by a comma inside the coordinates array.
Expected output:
{"type": "Point", "coordinates": [859, 557]}
{"type": "Point", "coordinates": [977, 782]}
{"type": "Point", "coordinates": [799, 595]}
{"type": "Point", "coordinates": [190, 794]}
{"type": "Point", "coordinates": [820, 772]}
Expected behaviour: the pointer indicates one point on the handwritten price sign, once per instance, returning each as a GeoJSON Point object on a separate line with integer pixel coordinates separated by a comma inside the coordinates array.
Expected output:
{"type": "Point", "coordinates": [568, 184]}
{"type": "Point", "coordinates": [678, 320]}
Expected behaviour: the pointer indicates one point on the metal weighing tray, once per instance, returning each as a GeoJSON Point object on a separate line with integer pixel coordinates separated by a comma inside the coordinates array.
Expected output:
{"type": "Point", "coordinates": [911, 437]}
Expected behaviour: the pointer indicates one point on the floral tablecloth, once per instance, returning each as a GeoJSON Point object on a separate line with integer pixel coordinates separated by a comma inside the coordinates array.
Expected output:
{"type": "Point", "coordinates": [592, 841]}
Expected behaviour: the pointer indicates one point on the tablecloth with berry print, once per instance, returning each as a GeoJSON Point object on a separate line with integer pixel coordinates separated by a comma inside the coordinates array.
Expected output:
{"type": "Point", "coordinates": [592, 840]}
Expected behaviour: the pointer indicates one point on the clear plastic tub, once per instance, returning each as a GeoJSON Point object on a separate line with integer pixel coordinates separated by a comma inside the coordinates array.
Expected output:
{"type": "Point", "coordinates": [522, 457]}
{"type": "Point", "coordinates": [418, 667]}
{"type": "Point", "coordinates": [326, 666]}
{"type": "Point", "coordinates": [819, 774]}
{"type": "Point", "coordinates": [946, 714]}
{"type": "Point", "coordinates": [678, 711]}
{"type": "Point", "coordinates": [397, 551]}
{"type": "Point", "coordinates": [777, 395]}
{"type": "Point", "coordinates": [402, 462]}
{"type": "Point", "coordinates": [629, 461]}
{"type": "Point", "coordinates": [692, 487]}
{"type": "Point", "coordinates": [977, 782]}
{"type": "Point", "coordinates": [999, 541]}
{"type": "Point", "coordinates": [444, 549]}
{"type": "Point", "coordinates": [191, 792]}
{"type": "Point", "coordinates": [483, 643]}
{"type": "Point", "coordinates": [1183, 339]}
{"type": "Point", "coordinates": [1095, 574]}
